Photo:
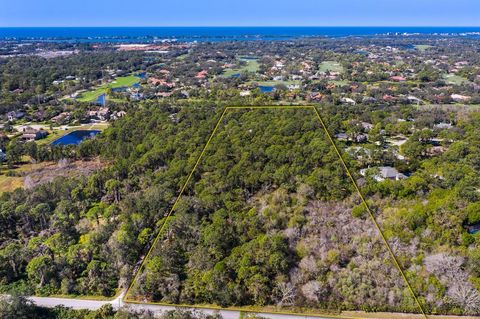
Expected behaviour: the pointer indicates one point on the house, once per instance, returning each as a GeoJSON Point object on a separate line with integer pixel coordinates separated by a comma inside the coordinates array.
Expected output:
{"type": "Point", "coordinates": [443, 125]}
{"type": "Point", "coordinates": [412, 99]}
{"type": "Point", "coordinates": [358, 152]}
{"type": "Point", "coordinates": [369, 99]}
{"type": "Point", "coordinates": [341, 136]}
{"type": "Point", "coordinates": [202, 74]}
{"type": "Point", "coordinates": [348, 100]}
{"type": "Point", "coordinates": [163, 94]}
{"type": "Point", "coordinates": [160, 82]}
{"type": "Point", "coordinates": [398, 78]}
{"type": "Point", "coordinates": [31, 134]}
{"type": "Point", "coordinates": [117, 115]}
{"type": "Point", "coordinates": [15, 115]}
{"type": "Point", "coordinates": [366, 126]}
{"type": "Point", "coordinates": [316, 96]}
{"type": "Point", "coordinates": [460, 98]}
{"type": "Point", "coordinates": [101, 114]}
{"type": "Point", "coordinates": [384, 173]}
{"type": "Point", "coordinates": [62, 117]}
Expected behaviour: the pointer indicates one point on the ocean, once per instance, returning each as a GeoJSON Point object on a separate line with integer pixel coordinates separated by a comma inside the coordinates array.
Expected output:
{"type": "Point", "coordinates": [202, 34]}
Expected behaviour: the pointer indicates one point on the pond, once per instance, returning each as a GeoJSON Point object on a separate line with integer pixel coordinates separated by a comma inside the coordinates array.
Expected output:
{"type": "Point", "coordinates": [473, 229]}
{"type": "Point", "coordinates": [266, 89]}
{"type": "Point", "coordinates": [141, 75]}
{"type": "Point", "coordinates": [75, 137]}
{"type": "Point", "coordinates": [101, 100]}
{"type": "Point", "coordinates": [120, 89]}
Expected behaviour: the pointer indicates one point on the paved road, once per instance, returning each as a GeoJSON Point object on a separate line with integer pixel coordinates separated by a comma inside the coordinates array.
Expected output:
{"type": "Point", "coordinates": [51, 302]}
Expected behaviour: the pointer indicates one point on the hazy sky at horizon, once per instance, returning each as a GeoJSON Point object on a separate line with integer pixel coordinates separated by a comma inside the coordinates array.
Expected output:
{"type": "Point", "coordinates": [239, 13]}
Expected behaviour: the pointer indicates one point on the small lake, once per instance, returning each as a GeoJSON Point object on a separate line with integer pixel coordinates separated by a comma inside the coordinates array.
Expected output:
{"type": "Point", "coordinates": [266, 89]}
{"type": "Point", "coordinates": [75, 137]}
{"type": "Point", "coordinates": [141, 75]}
{"type": "Point", "coordinates": [101, 100]}
{"type": "Point", "coordinates": [120, 89]}
{"type": "Point", "coordinates": [473, 229]}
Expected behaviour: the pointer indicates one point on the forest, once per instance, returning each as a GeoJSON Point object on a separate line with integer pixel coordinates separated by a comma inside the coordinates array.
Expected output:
{"type": "Point", "coordinates": [269, 217]}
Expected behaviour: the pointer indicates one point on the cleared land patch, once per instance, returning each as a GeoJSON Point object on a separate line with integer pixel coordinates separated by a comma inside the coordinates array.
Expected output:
{"type": "Point", "coordinates": [422, 47]}
{"type": "Point", "coordinates": [455, 79]}
{"type": "Point", "coordinates": [30, 175]}
{"type": "Point", "coordinates": [330, 66]}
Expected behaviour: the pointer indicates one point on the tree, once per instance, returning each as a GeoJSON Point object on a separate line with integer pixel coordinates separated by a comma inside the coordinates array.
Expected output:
{"type": "Point", "coordinates": [39, 270]}
{"type": "Point", "coordinates": [18, 307]}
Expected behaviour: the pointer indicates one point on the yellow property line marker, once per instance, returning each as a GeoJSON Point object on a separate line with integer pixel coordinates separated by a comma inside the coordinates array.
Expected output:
{"type": "Point", "coordinates": [367, 207]}
{"type": "Point", "coordinates": [370, 213]}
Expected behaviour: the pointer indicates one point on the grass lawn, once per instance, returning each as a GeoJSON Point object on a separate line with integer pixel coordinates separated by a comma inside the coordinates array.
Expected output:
{"type": "Point", "coordinates": [251, 66]}
{"type": "Point", "coordinates": [121, 81]}
{"type": "Point", "coordinates": [422, 47]}
{"type": "Point", "coordinates": [455, 79]}
{"type": "Point", "coordinates": [332, 66]}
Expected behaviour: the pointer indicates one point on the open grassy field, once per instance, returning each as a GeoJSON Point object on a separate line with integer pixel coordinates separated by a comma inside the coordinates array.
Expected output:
{"type": "Point", "coordinates": [251, 66]}
{"type": "Point", "coordinates": [455, 79]}
{"type": "Point", "coordinates": [422, 47]}
{"type": "Point", "coordinates": [39, 173]}
{"type": "Point", "coordinates": [10, 183]}
{"type": "Point", "coordinates": [331, 66]}
{"type": "Point", "coordinates": [123, 81]}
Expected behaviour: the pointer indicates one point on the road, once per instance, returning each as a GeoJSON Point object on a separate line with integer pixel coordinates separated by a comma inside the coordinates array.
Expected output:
{"type": "Point", "coordinates": [51, 302]}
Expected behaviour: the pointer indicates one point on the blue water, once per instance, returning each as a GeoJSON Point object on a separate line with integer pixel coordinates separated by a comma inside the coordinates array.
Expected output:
{"type": "Point", "coordinates": [150, 34]}
{"type": "Point", "coordinates": [101, 100]}
{"type": "Point", "coordinates": [120, 89]}
{"type": "Point", "coordinates": [474, 229]}
{"type": "Point", "coordinates": [75, 137]}
{"type": "Point", "coordinates": [266, 89]}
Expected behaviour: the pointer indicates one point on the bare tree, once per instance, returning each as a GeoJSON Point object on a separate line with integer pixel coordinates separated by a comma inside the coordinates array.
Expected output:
{"type": "Point", "coordinates": [286, 294]}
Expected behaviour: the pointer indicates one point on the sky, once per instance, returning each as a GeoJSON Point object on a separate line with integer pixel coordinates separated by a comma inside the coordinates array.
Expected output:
{"type": "Point", "coordinates": [62, 13]}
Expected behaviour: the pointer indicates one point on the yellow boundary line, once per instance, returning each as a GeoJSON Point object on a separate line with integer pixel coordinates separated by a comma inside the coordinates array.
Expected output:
{"type": "Point", "coordinates": [352, 179]}
{"type": "Point", "coordinates": [370, 213]}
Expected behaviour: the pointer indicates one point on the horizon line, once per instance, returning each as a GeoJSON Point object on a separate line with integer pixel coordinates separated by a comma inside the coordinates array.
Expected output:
{"type": "Point", "coordinates": [251, 26]}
